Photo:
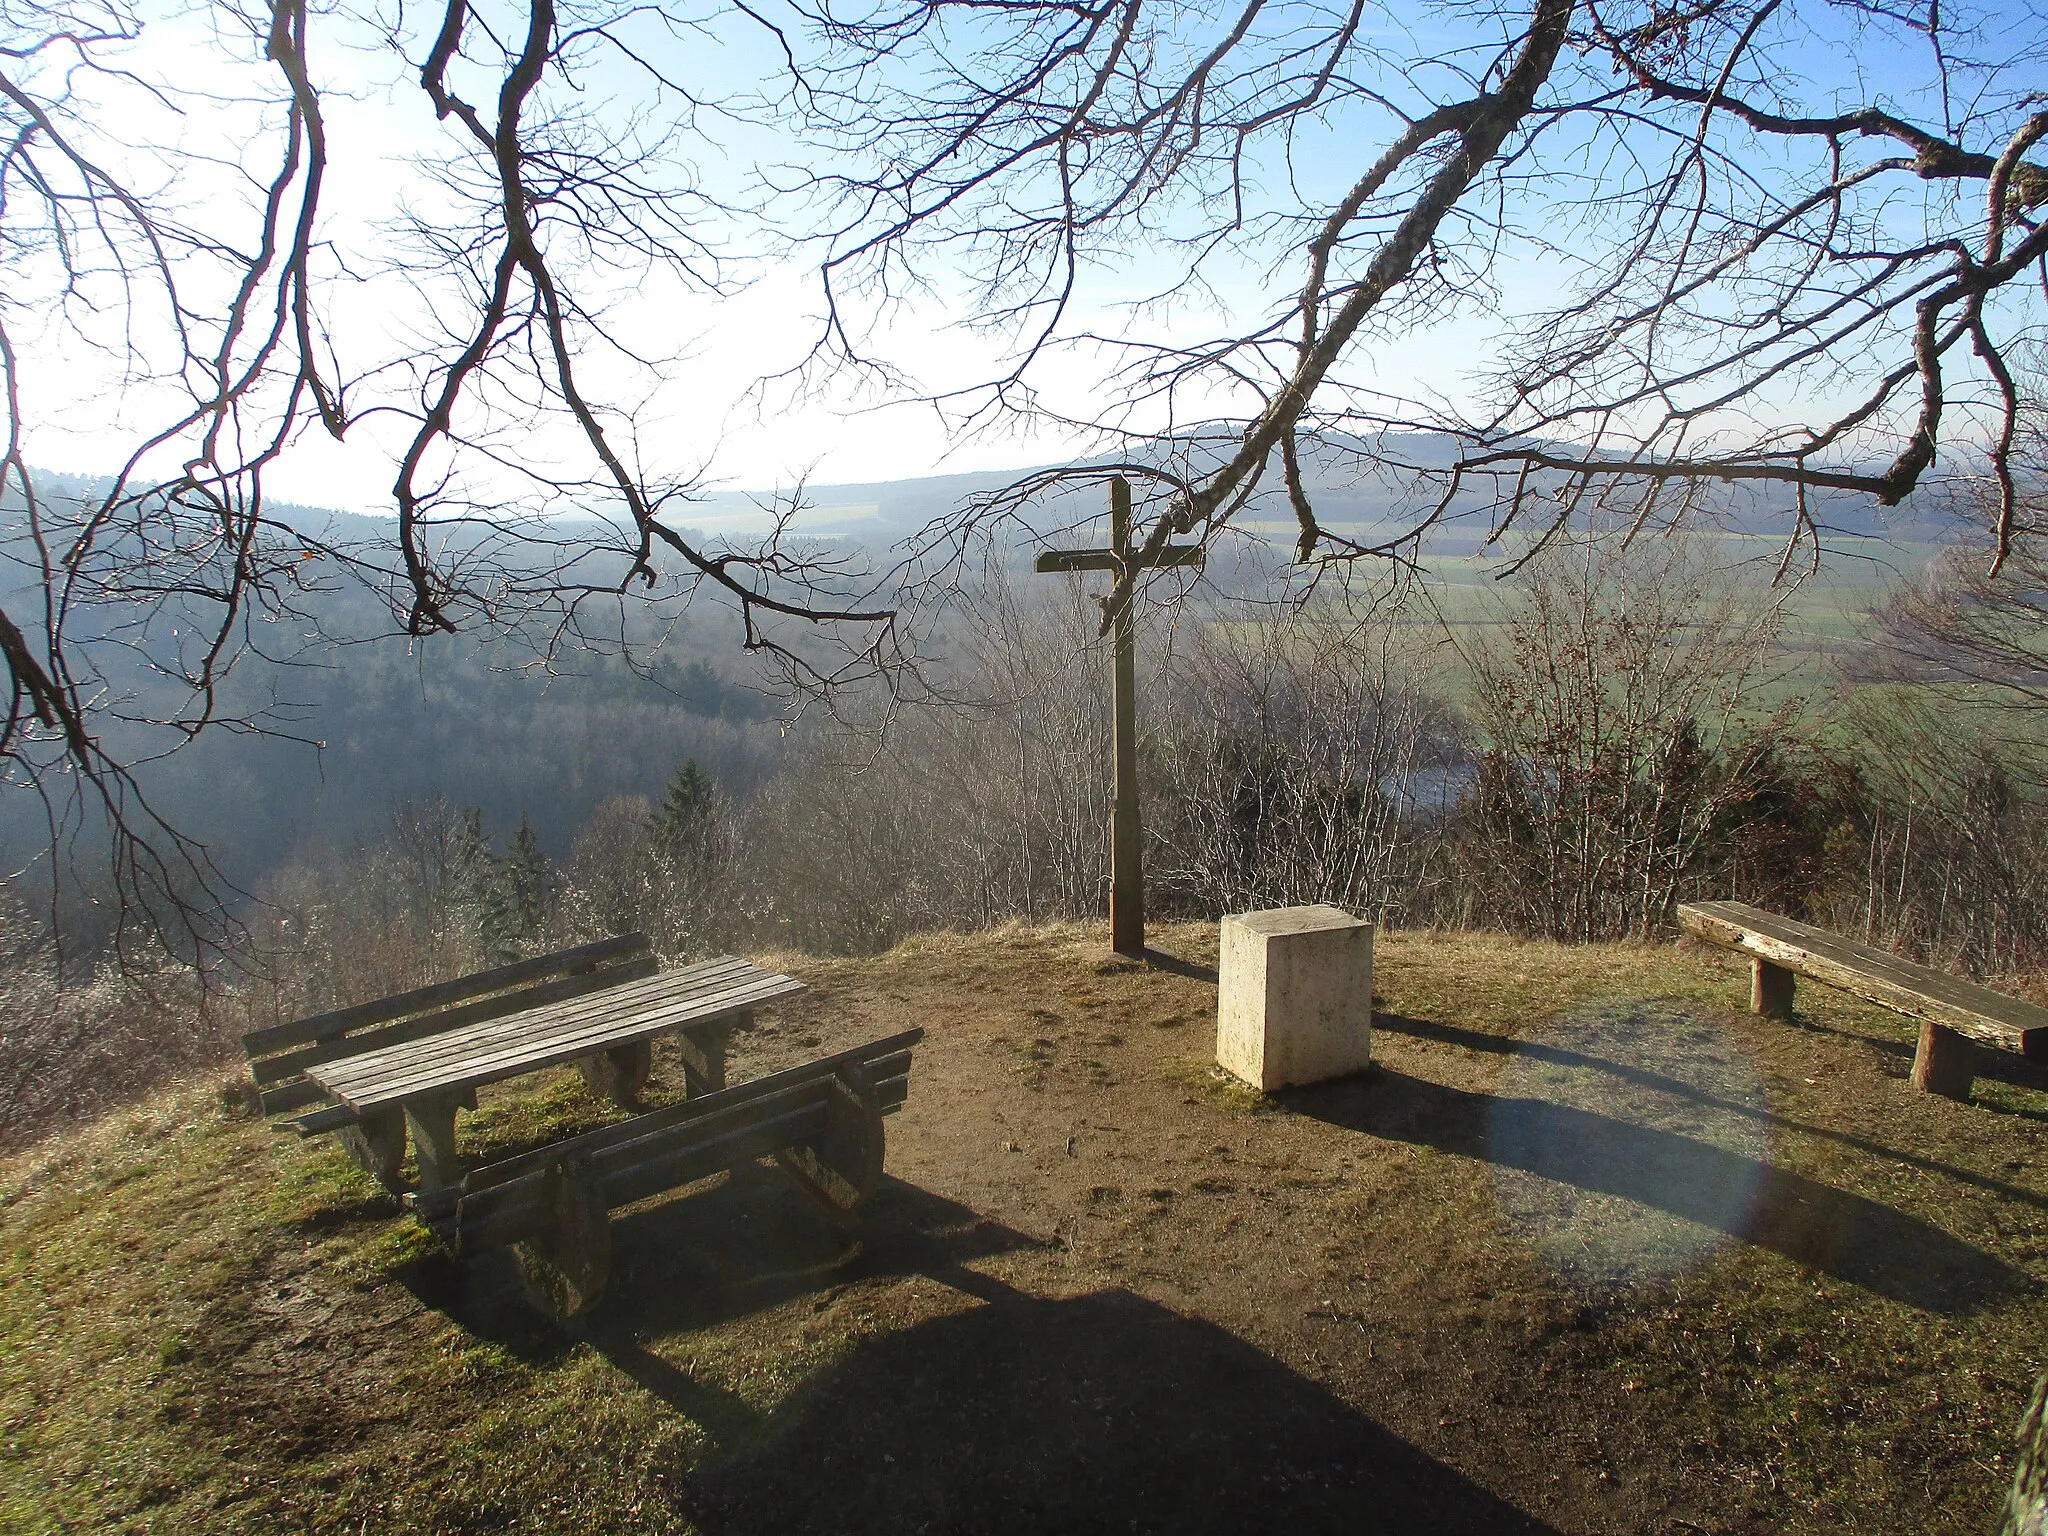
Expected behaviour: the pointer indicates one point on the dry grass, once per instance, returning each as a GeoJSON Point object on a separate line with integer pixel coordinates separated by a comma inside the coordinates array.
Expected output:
{"type": "Point", "coordinates": [1103, 1289]}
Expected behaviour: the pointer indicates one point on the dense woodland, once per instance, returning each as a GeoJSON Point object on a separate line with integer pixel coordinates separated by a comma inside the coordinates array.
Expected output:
{"type": "Point", "coordinates": [1624, 725]}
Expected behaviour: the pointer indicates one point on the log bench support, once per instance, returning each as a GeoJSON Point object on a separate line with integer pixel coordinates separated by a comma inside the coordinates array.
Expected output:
{"type": "Point", "coordinates": [1770, 989]}
{"type": "Point", "coordinates": [620, 1073]}
{"type": "Point", "coordinates": [1945, 1062]}
{"type": "Point", "coordinates": [376, 1144]}
{"type": "Point", "coordinates": [1957, 1018]}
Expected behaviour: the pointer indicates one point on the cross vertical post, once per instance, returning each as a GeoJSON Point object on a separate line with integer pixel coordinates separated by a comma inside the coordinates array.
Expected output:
{"type": "Point", "coordinates": [1126, 835]}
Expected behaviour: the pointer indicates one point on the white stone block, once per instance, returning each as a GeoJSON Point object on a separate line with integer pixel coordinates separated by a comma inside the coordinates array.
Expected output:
{"type": "Point", "coordinates": [1294, 996]}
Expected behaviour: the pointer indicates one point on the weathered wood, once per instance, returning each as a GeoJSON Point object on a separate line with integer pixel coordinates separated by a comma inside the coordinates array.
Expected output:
{"type": "Point", "coordinates": [619, 1073]}
{"type": "Point", "coordinates": [703, 1054]}
{"type": "Point", "coordinates": [377, 1145]}
{"type": "Point", "coordinates": [633, 1174]}
{"type": "Point", "coordinates": [295, 1095]}
{"type": "Point", "coordinates": [887, 1057]}
{"type": "Point", "coordinates": [822, 1121]}
{"type": "Point", "coordinates": [321, 1026]}
{"type": "Point", "coordinates": [321, 1120]}
{"type": "Point", "coordinates": [529, 1042]}
{"type": "Point", "coordinates": [445, 1021]}
{"type": "Point", "coordinates": [1945, 1062]}
{"type": "Point", "coordinates": [1126, 838]}
{"type": "Point", "coordinates": [635, 1166]}
{"type": "Point", "coordinates": [1126, 835]}
{"type": "Point", "coordinates": [1053, 562]}
{"type": "Point", "coordinates": [1871, 973]}
{"type": "Point", "coordinates": [498, 1214]}
{"type": "Point", "coordinates": [564, 1268]}
{"type": "Point", "coordinates": [431, 1120]}
{"type": "Point", "coordinates": [599, 1007]}
{"type": "Point", "coordinates": [2026, 1508]}
{"type": "Point", "coordinates": [838, 1171]}
{"type": "Point", "coordinates": [1771, 988]}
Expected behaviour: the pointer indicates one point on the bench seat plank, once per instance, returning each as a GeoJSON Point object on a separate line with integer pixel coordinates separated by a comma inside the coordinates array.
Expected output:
{"type": "Point", "coordinates": [1872, 973]}
{"type": "Point", "coordinates": [543, 1037]}
{"type": "Point", "coordinates": [888, 1058]}
{"type": "Point", "coordinates": [290, 1063]}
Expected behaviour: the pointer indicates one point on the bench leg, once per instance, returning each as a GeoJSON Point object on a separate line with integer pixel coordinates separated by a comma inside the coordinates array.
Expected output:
{"type": "Point", "coordinates": [1770, 989]}
{"type": "Point", "coordinates": [565, 1270]}
{"type": "Point", "coordinates": [703, 1053]}
{"type": "Point", "coordinates": [838, 1173]}
{"type": "Point", "coordinates": [376, 1144]}
{"type": "Point", "coordinates": [432, 1122]}
{"type": "Point", "coordinates": [1945, 1063]}
{"type": "Point", "coordinates": [620, 1073]}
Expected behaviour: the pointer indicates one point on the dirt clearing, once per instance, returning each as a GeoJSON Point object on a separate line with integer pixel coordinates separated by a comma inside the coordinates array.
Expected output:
{"type": "Point", "coordinates": [1590, 1250]}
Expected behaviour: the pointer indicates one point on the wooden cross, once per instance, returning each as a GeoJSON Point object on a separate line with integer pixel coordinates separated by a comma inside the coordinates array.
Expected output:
{"type": "Point", "coordinates": [1126, 866]}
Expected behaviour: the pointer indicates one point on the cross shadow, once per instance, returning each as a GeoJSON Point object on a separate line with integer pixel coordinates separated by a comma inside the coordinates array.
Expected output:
{"type": "Point", "coordinates": [1813, 1224]}
{"type": "Point", "coordinates": [2002, 1066]}
{"type": "Point", "coordinates": [1160, 960]}
{"type": "Point", "coordinates": [1499, 1045]}
{"type": "Point", "coordinates": [1101, 1412]}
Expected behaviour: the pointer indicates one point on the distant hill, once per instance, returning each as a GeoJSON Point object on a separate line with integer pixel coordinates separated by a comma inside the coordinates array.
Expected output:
{"type": "Point", "coordinates": [471, 719]}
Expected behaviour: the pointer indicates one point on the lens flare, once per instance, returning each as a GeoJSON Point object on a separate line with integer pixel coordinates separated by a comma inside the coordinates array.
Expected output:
{"type": "Point", "coordinates": [1627, 1143]}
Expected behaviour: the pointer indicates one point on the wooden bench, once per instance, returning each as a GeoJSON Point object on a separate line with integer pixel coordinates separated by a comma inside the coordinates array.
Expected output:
{"type": "Point", "coordinates": [1952, 1012]}
{"type": "Point", "coordinates": [381, 1068]}
{"type": "Point", "coordinates": [821, 1121]}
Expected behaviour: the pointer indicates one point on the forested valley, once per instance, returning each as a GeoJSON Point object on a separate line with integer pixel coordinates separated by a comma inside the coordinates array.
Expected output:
{"type": "Point", "coordinates": [1566, 754]}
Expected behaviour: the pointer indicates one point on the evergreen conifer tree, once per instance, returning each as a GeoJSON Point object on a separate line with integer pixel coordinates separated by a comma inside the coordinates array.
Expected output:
{"type": "Point", "coordinates": [685, 807]}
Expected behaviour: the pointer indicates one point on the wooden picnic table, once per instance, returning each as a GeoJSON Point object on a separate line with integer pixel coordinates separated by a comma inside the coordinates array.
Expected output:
{"type": "Point", "coordinates": [404, 1063]}
{"type": "Point", "coordinates": [427, 1079]}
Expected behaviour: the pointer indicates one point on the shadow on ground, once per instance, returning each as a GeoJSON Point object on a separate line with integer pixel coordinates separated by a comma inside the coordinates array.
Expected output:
{"type": "Point", "coordinates": [1012, 1413]}
{"type": "Point", "coordinates": [1102, 1412]}
{"type": "Point", "coordinates": [703, 1256]}
{"type": "Point", "coordinates": [1814, 1224]}
{"type": "Point", "coordinates": [1632, 1073]}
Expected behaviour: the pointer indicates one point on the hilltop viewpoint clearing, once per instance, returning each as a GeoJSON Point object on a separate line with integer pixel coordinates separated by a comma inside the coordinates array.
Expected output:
{"type": "Point", "coordinates": [1589, 1249]}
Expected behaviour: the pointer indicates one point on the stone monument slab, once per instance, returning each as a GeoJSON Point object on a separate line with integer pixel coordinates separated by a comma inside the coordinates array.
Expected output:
{"type": "Point", "coordinates": [1294, 996]}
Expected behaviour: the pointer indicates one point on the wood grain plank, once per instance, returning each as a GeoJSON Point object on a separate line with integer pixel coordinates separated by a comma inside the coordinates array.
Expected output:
{"type": "Point", "coordinates": [1874, 974]}
{"type": "Point", "coordinates": [366, 1082]}
{"type": "Point", "coordinates": [300, 1090]}
{"type": "Point", "coordinates": [321, 1026]}
{"type": "Point", "coordinates": [446, 1020]}
{"type": "Point", "coordinates": [888, 1056]}
{"type": "Point", "coordinates": [610, 1002]}
{"type": "Point", "coordinates": [615, 1022]}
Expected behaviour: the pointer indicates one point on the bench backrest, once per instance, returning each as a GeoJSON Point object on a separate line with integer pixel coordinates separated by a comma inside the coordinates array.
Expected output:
{"type": "Point", "coordinates": [280, 1053]}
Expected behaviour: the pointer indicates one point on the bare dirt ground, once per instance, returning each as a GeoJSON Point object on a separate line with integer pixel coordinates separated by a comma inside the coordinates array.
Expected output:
{"type": "Point", "coordinates": [1589, 1250]}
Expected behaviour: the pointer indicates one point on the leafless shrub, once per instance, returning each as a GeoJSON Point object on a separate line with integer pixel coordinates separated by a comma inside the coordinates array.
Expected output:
{"type": "Point", "coordinates": [335, 929]}
{"type": "Point", "coordinates": [73, 1047]}
{"type": "Point", "coordinates": [1621, 699]}
{"type": "Point", "coordinates": [1298, 760]}
{"type": "Point", "coordinates": [1952, 842]}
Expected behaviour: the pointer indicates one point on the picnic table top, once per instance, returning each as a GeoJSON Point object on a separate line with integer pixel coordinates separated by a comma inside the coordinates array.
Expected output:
{"type": "Point", "coordinates": [551, 1034]}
